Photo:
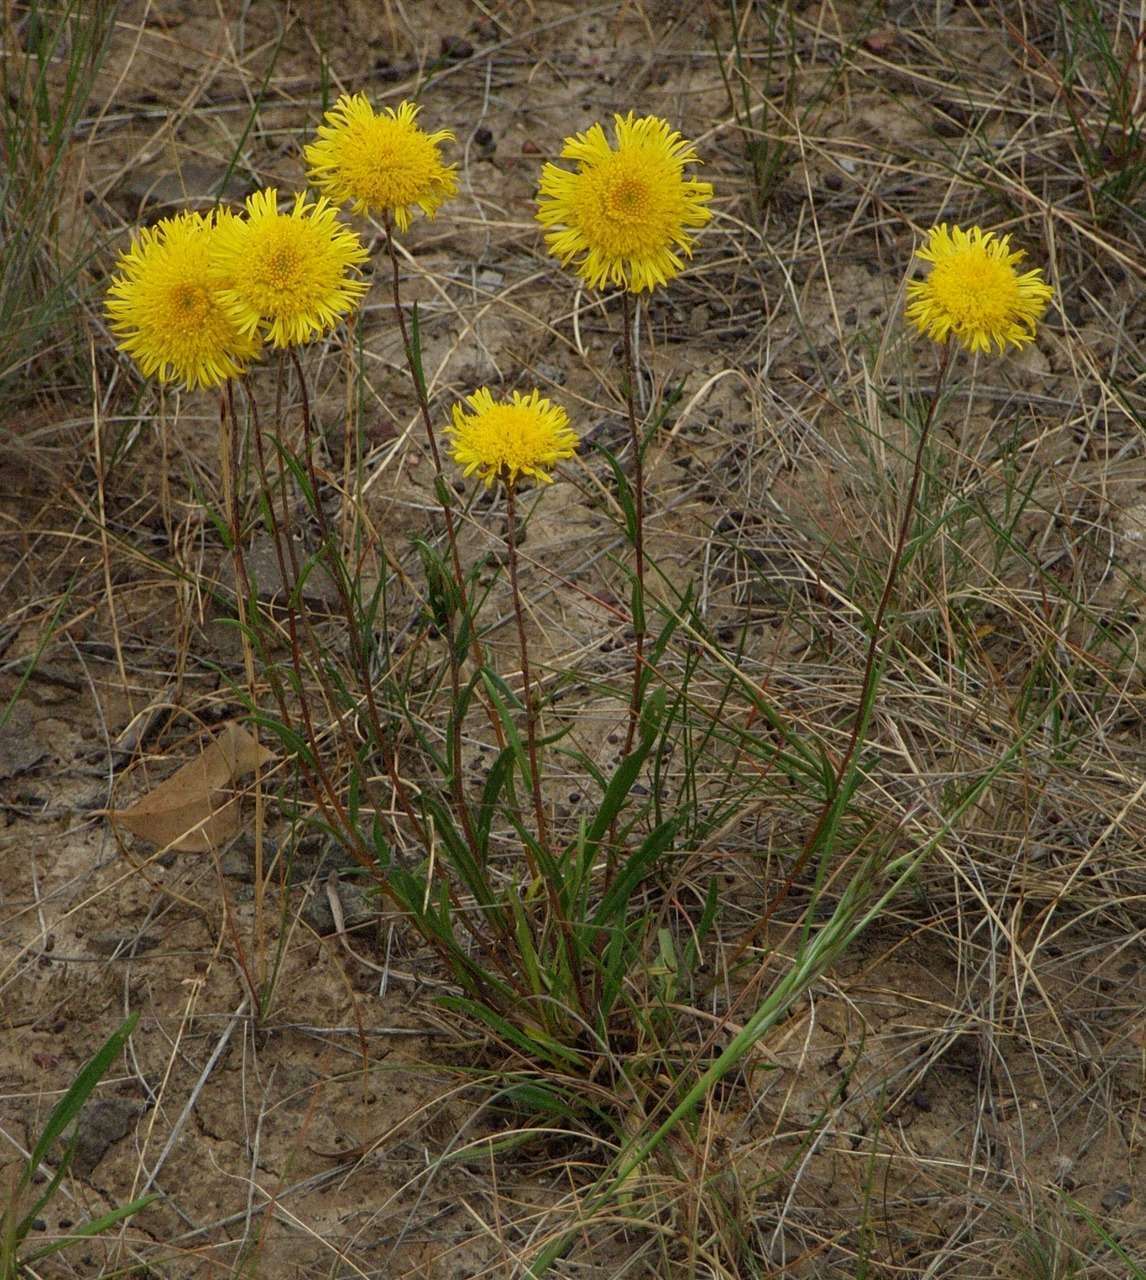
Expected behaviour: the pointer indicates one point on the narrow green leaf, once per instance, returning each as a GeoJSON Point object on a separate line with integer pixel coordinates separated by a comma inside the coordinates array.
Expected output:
{"type": "Point", "coordinates": [624, 493]}
{"type": "Point", "coordinates": [626, 773]}
{"type": "Point", "coordinates": [634, 871]}
{"type": "Point", "coordinates": [88, 1229]}
{"type": "Point", "coordinates": [81, 1088]}
{"type": "Point", "coordinates": [531, 1041]}
{"type": "Point", "coordinates": [416, 352]}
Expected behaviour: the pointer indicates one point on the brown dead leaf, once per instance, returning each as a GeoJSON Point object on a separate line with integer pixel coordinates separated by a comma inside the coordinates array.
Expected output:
{"type": "Point", "coordinates": [195, 809]}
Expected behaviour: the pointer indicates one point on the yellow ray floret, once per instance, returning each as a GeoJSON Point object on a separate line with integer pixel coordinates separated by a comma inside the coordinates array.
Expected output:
{"type": "Point", "coordinates": [287, 275]}
{"type": "Point", "coordinates": [380, 162]}
{"type": "Point", "coordinates": [973, 292]}
{"type": "Point", "coordinates": [506, 439]}
{"type": "Point", "coordinates": [624, 215]}
{"type": "Point", "coordinates": [166, 311]}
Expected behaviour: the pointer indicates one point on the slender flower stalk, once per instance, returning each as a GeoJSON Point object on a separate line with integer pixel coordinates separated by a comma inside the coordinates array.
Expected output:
{"type": "Point", "coordinates": [864, 702]}
{"type": "Point", "coordinates": [319, 781]}
{"type": "Point", "coordinates": [418, 379]}
{"type": "Point", "coordinates": [442, 491]}
{"type": "Point", "coordinates": [381, 738]}
{"type": "Point", "coordinates": [501, 441]}
{"type": "Point", "coordinates": [632, 373]}
{"type": "Point", "coordinates": [526, 679]}
{"type": "Point", "coordinates": [229, 467]}
{"type": "Point", "coordinates": [973, 296]}
{"type": "Point", "coordinates": [558, 914]}
{"type": "Point", "coordinates": [625, 217]}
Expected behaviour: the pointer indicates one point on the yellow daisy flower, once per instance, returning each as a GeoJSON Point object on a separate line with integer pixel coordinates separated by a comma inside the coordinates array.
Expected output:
{"type": "Point", "coordinates": [625, 214]}
{"type": "Point", "coordinates": [165, 310]}
{"type": "Point", "coordinates": [380, 162]}
{"type": "Point", "coordinates": [506, 439]}
{"type": "Point", "coordinates": [974, 292]}
{"type": "Point", "coordinates": [287, 274]}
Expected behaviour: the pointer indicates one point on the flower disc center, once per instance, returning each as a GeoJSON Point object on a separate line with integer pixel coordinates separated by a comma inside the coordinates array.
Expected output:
{"type": "Point", "coordinates": [282, 266]}
{"type": "Point", "coordinates": [191, 303]}
{"type": "Point", "coordinates": [975, 289]}
{"type": "Point", "coordinates": [626, 197]}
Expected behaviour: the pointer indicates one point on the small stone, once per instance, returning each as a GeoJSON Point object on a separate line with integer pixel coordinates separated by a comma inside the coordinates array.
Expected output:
{"type": "Point", "coordinates": [236, 864]}
{"type": "Point", "coordinates": [1117, 1197]}
{"type": "Point", "coordinates": [102, 1124]}
{"type": "Point", "coordinates": [455, 48]}
{"type": "Point", "coordinates": [316, 912]}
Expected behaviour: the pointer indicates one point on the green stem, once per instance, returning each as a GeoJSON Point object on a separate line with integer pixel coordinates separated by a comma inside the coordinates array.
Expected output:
{"type": "Point", "coordinates": [382, 739]}
{"type": "Point", "coordinates": [451, 535]}
{"type": "Point", "coordinates": [526, 680]}
{"type": "Point", "coordinates": [559, 920]}
{"type": "Point", "coordinates": [229, 450]}
{"type": "Point", "coordinates": [631, 375]}
{"type": "Point", "coordinates": [867, 684]}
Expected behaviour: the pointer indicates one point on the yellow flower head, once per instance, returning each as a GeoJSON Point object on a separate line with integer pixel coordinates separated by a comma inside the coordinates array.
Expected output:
{"type": "Point", "coordinates": [287, 274]}
{"type": "Point", "coordinates": [974, 292]}
{"type": "Point", "coordinates": [505, 439]}
{"type": "Point", "coordinates": [380, 162]}
{"type": "Point", "coordinates": [625, 213]}
{"type": "Point", "coordinates": [165, 310]}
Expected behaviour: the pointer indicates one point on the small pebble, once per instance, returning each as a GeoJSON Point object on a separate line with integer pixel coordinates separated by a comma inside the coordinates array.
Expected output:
{"type": "Point", "coordinates": [1117, 1197]}
{"type": "Point", "coordinates": [455, 48]}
